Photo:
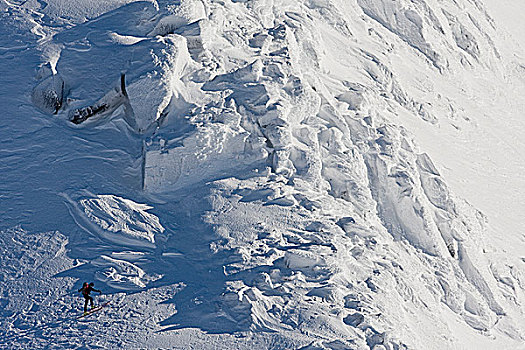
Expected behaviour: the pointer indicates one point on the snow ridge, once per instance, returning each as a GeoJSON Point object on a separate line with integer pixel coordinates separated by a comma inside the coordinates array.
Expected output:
{"type": "Point", "coordinates": [288, 200]}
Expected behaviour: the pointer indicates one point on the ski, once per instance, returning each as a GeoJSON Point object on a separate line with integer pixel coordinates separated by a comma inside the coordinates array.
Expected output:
{"type": "Point", "coordinates": [95, 309]}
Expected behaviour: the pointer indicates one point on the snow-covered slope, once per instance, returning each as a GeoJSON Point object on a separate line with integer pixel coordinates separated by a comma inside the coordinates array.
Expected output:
{"type": "Point", "coordinates": [273, 174]}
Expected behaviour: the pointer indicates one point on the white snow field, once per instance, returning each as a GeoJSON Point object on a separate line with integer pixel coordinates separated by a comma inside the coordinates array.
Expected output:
{"type": "Point", "coordinates": [263, 174]}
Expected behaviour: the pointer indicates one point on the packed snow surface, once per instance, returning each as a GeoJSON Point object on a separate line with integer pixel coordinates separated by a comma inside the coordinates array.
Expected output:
{"type": "Point", "coordinates": [263, 174]}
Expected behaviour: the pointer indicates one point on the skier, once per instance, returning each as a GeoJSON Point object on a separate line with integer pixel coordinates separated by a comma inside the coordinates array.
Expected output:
{"type": "Point", "coordinates": [86, 289]}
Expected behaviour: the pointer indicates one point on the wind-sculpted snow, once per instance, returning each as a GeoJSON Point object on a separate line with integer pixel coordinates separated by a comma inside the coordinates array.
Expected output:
{"type": "Point", "coordinates": [464, 39]}
{"type": "Point", "coordinates": [49, 94]}
{"type": "Point", "coordinates": [121, 274]}
{"type": "Point", "coordinates": [122, 217]}
{"type": "Point", "coordinates": [404, 20]}
{"type": "Point", "coordinates": [426, 28]}
{"type": "Point", "coordinates": [247, 174]}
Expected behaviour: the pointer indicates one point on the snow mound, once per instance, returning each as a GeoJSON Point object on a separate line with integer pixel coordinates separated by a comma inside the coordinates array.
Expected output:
{"type": "Point", "coordinates": [121, 274]}
{"type": "Point", "coordinates": [122, 220]}
{"type": "Point", "coordinates": [150, 94]}
{"type": "Point", "coordinates": [151, 76]}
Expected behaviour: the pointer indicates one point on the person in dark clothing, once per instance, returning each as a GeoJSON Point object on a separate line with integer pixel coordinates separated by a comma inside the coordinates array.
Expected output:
{"type": "Point", "coordinates": [86, 290]}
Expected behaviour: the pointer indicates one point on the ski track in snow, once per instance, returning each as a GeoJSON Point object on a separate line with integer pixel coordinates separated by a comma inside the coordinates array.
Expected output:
{"type": "Point", "coordinates": [267, 174]}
